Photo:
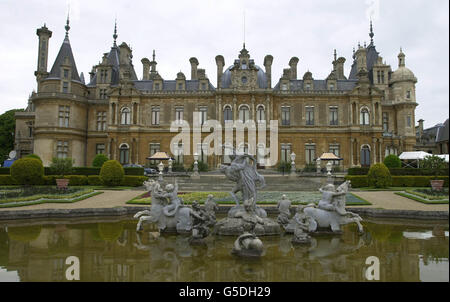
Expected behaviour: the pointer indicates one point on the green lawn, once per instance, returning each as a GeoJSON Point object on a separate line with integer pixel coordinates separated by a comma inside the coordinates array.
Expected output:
{"type": "Point", "coordinates": [423, 198]}
{"type": "Point", "coordinates": [389, 188]}
{"type": "Point", "coordinates": [265, 197]}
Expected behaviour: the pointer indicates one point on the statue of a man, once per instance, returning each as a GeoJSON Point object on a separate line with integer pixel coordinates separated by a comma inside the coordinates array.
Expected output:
{"type": "Point", "coordinates": [284, 206]}
{"type": "Point", "coordinates": [326, 202]}
{"type": "Point", "coordinates": [200, 220]}
{"type": "Point", "coordinates": [211, 208]}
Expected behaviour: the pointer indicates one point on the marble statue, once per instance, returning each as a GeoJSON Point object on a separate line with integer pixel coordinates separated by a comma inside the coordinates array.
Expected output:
{"type": "Point", "coordinates": [211, 208]}
{"type": "Point", "coordinates": [301, 225]}
{"type": "Point", "coordinates": [284, 207]}
{"type": "Point", "coordinates": [247, 181]}
{"type": "Point", "coordinates": [330, 211]}
{"type": "Point", "coordinates": [167, 209]}
{"type": "Point", "coordinates": [200, 224]}
{"type": "Point", "coordinates": [248, 245]}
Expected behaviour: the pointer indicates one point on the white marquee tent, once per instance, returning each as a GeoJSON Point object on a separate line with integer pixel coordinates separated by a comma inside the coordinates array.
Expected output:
{"type": "Point", "coordinates": [419, 155]}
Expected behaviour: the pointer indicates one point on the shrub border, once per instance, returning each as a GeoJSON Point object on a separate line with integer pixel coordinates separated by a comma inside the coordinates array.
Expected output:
{"type": "Point", "coordinates": [420, 199]}
{"type": "Point", "coordinates": [46, 200]}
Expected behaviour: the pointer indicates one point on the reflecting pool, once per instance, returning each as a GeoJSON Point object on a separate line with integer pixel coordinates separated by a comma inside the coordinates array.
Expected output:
{"type": "Point", "coordinates": [109, 249]}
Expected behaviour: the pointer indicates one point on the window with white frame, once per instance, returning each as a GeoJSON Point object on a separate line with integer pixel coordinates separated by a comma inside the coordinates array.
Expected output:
{"type": "Point", "coordinates": [260, 114]}
{"type": "Point", "coordinates": [101, 121]}
{"type": "Point", "coordinates": [285, 153]}
{"type": "Point", "coordinates": [155, 115]}
{"type": "Point", "coordinates": [334, 120]}
{"type": "Point", "coordinates": [178, 153]}
{"type": "Point", "coordinates": [100, 149]}
{"type": "Point", "coordinates": [385, 122]}
{"type": "Point", "coordinates": [65, 87]}
{"type": "Point", "coordinates": [125, 116]}
{"type": "Point", "coordinates": [124, 154]}
{"type": "Point", "coordinates": [285, 115]}
{"type": "Point", "coordinates": [64, 114]}
{"type": "Point", "coordinates": [62, 149]}
{"type": "Point", "coordinates": [310, 153]}
{"type": "Point", "coordinates": [244, 113]}
{"type": "Point", "coordinates": [179, 114]}
{"type": "Point", "coordinates": [309, 115]}
{"type": "Point", "coordinates": [227, 113]}
{"type": "Point", "coordinates": [364, 117]}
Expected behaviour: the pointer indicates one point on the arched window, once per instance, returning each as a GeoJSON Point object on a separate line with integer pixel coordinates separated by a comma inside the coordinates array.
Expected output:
{"type": "Point", "coordinates": [227, 113]}
{"type": "Point", "coordinates": [124, 152]}
{"type": "Point", "coordinates": [125, 116]}
{"type": "Point", "coordinates": [364, 117]}
{"type": "Point", "coordinates": [365, 156]}
{"type": "Point", "coordinates": [244, 113]}
{"type": "Point", "coordinates": [260, 114]}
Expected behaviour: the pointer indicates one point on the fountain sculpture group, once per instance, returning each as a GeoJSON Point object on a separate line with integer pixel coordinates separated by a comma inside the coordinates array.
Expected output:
{"type": "Point", "coordinates": [246, 220]}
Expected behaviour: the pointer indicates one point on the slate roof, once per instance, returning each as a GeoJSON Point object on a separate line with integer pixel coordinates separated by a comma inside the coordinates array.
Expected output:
{"type": "Point", "coordinates": [64, 51]}
{"type": "Point", "coordinates": [371, 59]}
{"type": "Point", "coordinates": [320, 85]}
{"type": "Point", "coordinates": [261, 79]}
{"type": "Point", "coordinates": [170, 85]}
{"type": "Point", "coordinates": [442, 133]}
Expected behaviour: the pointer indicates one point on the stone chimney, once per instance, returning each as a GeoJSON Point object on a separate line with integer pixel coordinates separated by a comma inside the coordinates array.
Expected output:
{"type": "Point", "coordinates": [293, 65]}
{"type": "Point", "coordinates": [194, 64]}
{"type": "Point", "coordinates": [420, 128]}
{"type": "Point", "coordinates": [340, 68]}
{"type": "Point", "coordinates": [125, 54]}
{"type": "Point", "coordinates": [268, 66]}
{"type": "Point", "coordinates": [145, 69]}
{"type": "Point", "coordinates": [220, 61]}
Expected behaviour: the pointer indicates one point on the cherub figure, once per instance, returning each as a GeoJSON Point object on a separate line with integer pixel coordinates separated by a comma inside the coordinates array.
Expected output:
{"type": "Point", "coordinates": [328, 194]}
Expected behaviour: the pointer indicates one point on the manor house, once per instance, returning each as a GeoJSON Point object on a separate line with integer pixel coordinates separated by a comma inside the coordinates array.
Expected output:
{"type": "Point", "coordinates": [361, 117]}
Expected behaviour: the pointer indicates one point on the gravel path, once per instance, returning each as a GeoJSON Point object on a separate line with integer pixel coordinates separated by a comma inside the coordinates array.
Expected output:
{"type": "Point", "coordinates": [390, 201]}
{"type": "Point", "coordinates": [108, 199]}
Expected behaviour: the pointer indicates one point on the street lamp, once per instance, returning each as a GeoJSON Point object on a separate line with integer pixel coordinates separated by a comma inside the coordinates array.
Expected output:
{"type": "Point", "coordinates": [161, 169]}
{"type": "Point", "coordinates": [195, 165]}
{"type": "Point", "coordinates": [293, 155]}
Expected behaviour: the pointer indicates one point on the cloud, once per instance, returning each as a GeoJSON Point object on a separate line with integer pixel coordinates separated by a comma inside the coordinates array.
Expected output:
{"type": "Point", "coordinates": [179, 29]}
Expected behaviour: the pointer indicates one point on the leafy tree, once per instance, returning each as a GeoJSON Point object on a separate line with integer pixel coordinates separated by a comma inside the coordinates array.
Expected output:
{"type": "Point", "coordinates": [392, 161]}
{"type": "Point", "coordinates": [7, 130]}
{"type": "Point", "coordinates": [434, 163]}
{"type": "Point", "coordinates": [99, 160]}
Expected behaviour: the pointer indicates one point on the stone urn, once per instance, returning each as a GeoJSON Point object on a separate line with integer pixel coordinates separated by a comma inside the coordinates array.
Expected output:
{"type": "Point", "coordinates": [436, 184]}
{"type": "Point", "coordinates": [62, 183]}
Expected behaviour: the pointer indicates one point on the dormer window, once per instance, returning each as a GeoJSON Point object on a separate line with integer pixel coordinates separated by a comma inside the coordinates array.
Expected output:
{"type": "Point", "coordinates": [156, 86]}
{"type": "Point", "coordinates": [308, 86]}
{"type": "Point", "coordinates": [408, 94]}
{"type": "Point", "coordinates": [66, 73]}
{"type": "Point", "coordinates": [244, 65]}
{"type": "Point", "coordinates": [65, 87]}
{"type": "Point", "coordinates": [331, 86]}
{"type": "Point", "coordinates": [203, 86]}
{"type": "Point", "coordinates": [284, 87]}
{"type": "Point", "coordinates": [244, 80]}
{"type": "Point", "coordinates": [180, 86]}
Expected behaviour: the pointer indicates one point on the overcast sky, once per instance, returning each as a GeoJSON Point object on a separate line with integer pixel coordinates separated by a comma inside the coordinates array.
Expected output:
{"type": "Point", "coordinates": [180, 29]}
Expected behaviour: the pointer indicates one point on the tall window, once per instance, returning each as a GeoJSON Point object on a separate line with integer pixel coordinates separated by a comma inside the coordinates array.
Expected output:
{"type": "Point", "coordinates": [286, 153]}
{"type": "Point", "coordinates": [309, 115]}
{"type": "Point", "coordinates": [334, 121]}
{"type": "Point", "coordinates": [285, 116]}
{"type": "Point", "coordinates": [124, 153]}
{"type": "Point", "coordinates": [153, 149]}
{"type": "Point", "coordinates": [125, 116]}
{"type": "Point", "coordinates": [227, 114]}
{"type": "Point", "coordinates": [101, 121]}
{"type": "Point", "coordinates": [408, 121]}
{"type": "Point", "coordinates": [65, 87]}
{"type": "Point", "coordinates": [408, 94]}
{"type": "Point", "coordinates": [260, 114]}
{"type": "Point", "coordinates": [103, 76]}
{"type": "Point", "coordinates": [100, 149]}
{"type": "Point", "coordinates": [203, 114]}
{"type": "Point", "coordinates": [62, 149]}
{"type": "Point", "coordinates": [310, 153]}
{"type": "Point", "coordinates": [202, 151]}
{"type": "Point", "coordinates": [155, 115]}
{"type": "Point", "coordinates": [385, 122]}
{"type": "Point", "coordinates": [364, 117]}
{"type": "Point", "coordinates": [64, 114]}
{"type": "Point", "coordinates": [103, 94]}
{"type": "Point", "coordinates": [203, 86]}
{"type": "Point", "coordinates": [178, 153]}
{"type": "Point", "coordinates": [334, 148]}
{"type": "Point", "coordinates": [382, 77]}
{"type": "Point", "coordinates": [244, 113]}
{"type": "Point", "coordinates": [179, 115]}
{"type": "Point", "coordinates": [66, 73]}
{"type": "Point", "coordinates": [365, 156]}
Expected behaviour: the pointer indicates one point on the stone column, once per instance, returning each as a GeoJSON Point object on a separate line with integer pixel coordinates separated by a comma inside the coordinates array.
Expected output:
{"type": "Point", "coordinates": [374, 151]}
{"type": "Point", "coordinates": [352, 160]}
{"type": "Point", "coordinates": [358, 151]}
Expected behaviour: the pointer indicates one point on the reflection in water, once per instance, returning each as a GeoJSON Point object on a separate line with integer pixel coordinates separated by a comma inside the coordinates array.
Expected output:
{"type": "Point", "coordinates": [113, 251]}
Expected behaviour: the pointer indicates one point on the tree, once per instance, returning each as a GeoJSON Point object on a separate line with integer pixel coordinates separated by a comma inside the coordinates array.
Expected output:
{"type": "Point", "coordinates": [99, 160]}
{"type": "Point", "coordinates": [434, 163]}
{"type": "Point", "coordinates": [392, 161]}
{"type": "Point", "coordinates": [7, 130]}
{"type": "Point", "coordinates": [379, 176]}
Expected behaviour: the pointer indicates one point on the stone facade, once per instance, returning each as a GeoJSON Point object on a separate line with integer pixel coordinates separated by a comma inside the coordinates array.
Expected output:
{"type": "Point", "coordinates": [362, 118]}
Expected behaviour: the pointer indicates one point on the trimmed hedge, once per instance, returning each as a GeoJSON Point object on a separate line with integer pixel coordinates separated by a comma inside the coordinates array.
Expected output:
{"type": "Point", "coordinates": [112, 173]}
{"type": "Point", "coordinates": [401, 171]}
{"type": "Point", "coordinates": [136, 171]}
{"type": "Point", "coordinates": [27, 171]}
{"type": "Point", "coordinates": [133, 181]}
{"type": "Point", "coordinates": [84, 171]}
{"type": "Point", "coordinates": [358, 181]}
{"type": "Point", "coordinates": [7, 180]}
{"type": "Point", "coordinates": [94, 180]}
{"type": "Point", "coordinates": [4, 171]}
{"type": "Point", "coordinates": [398, 181]}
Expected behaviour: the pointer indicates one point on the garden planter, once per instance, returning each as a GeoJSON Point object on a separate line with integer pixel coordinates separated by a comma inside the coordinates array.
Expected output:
{"type": "Point", "coordinates": [62, 183]}
{"type": "Point", "coordinates": [437, 184]}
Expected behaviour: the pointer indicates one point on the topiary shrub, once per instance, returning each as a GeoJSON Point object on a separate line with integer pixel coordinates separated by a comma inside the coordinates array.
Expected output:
{"type": "Point", "coordinates": [94, 180]}
{"type": "Point", "coordinates": [379, 176]}
{"type": "Point", "coordinates": [27, 171]}
{"type": "Point", "coordinates": [34, 156]}
{"type": "Point", "coordinates": [358, 181]}
{"type": "Point", "coordinates": [61, 166]}
{"type": "Point", "coordinates": [112, 173]}
{"type": "Point", "coordinates": [392, 161]}
{"type": "Point", "coordinates": [99, 160]}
